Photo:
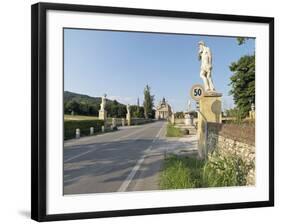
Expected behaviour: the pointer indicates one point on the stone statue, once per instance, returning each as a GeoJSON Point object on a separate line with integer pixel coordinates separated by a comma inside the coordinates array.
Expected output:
{"type": "Point", "coordinates": [128, 108]}
{"type": "Point", "coordinates": [128, 116]}
{"type": "Point", "coordinates": [103, 102]}
{"type": "Point", "coordinates": [205, 56]}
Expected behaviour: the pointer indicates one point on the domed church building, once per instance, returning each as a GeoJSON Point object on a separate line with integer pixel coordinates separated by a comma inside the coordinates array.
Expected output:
{"type": "Point", "coordinates": [163, 110]}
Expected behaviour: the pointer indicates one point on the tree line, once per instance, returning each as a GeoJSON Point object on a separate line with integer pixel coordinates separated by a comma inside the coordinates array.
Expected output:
{"type": "Point", "coordinates": [242, 83]}
{"type": "Point", "coordinates": [79, 104]}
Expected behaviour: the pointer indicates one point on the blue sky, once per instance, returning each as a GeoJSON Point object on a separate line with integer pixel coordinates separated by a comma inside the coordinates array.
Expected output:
{"type": "Point", "coordinates": [120, 64]}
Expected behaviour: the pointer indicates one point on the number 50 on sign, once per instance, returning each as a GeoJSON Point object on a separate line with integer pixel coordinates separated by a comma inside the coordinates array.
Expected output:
{"type": "Point", "coordinates": [197, 92]}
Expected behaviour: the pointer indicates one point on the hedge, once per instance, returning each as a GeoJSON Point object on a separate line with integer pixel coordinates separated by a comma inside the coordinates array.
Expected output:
{"type": "Point", "coordinates": [84, 126]}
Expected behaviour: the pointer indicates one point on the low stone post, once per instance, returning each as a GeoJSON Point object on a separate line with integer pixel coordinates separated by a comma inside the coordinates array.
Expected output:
{"type": "Point", "coordinates": [91, 130]}
{"type": "Point", "coordinates": [77, 133]}
{"type": "Point", "coordinates": [102, 129]}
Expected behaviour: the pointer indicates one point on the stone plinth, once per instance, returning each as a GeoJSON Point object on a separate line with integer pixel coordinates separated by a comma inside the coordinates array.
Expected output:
{"type": "Point", "coordinates": [252, 115]}
{"type": "Point", "coordinates": [210, 108]}
{"type": "Point", "coordinates": [128, 117]}
{"type": "Point", "coordinates": [102, 114]}
{"type": "Point", "coordinates": [173, 119]}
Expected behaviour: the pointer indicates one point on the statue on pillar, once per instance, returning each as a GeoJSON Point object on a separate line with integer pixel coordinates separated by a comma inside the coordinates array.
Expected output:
{"type": "Point", "coordinates": [128, 108]}
{"type": "Point", "coordinates": [102, 111]}
{"type": "Point", "coordinates": [128, 115]}
{"type": "Point", "coordinates": [103, 102]}
{"type": "Point", "coordinates": [205, 56]}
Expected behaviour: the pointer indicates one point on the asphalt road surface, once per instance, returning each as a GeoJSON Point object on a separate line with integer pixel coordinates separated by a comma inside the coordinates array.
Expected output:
{"type": "Point", "coordinates": [126, 160]}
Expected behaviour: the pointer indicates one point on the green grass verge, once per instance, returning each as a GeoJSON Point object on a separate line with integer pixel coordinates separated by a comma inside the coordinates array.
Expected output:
{"type": "Point", "coordinates": [173, 131]}
{"type": "Point", "coordinates": [217, 171]}
{"type": "Point", "coordinates": [181, 172]}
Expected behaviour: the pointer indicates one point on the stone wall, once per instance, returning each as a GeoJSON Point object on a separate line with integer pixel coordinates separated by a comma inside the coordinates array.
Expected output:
{"type": "Point", "coordinates": [233, 139]}
{"type": "Point", "coordinates": [182, 120]}
{"type": "Point", "coordinates": [138, 121]}
{"type": "Point", "coordinates": [134, 121]}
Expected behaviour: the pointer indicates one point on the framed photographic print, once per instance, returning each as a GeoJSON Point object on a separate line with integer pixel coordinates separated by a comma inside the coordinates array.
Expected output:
{"type": "Point", "coordinates": [139, 111]}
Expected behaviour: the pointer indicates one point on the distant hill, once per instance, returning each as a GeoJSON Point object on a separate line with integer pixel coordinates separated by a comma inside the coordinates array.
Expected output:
{"type": "Point", "coordinates": [87, 105]}
{"type": "Point", "coordinates": [70, 96]}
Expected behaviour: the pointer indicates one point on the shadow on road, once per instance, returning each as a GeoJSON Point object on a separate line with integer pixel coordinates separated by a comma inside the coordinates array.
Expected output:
{"type": "Point", "coordinates": [109, 163]}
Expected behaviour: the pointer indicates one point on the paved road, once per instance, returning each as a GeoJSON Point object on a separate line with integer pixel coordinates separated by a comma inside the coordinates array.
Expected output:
{"type": "Point", "coordinates": [119, 161]}
{"type": "Point", "coordinates": [126, 160]}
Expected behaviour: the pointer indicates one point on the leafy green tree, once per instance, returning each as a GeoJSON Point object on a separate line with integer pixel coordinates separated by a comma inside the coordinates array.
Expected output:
{"type": "Point", "coordinates": [137, 111]}
{"type": "Point", "coordinates": [114, 109]}
{"type": "Point", "coordinates": [179, 115]}
{"type": "Point", "coordinates": [93, 110]}
{"type": "Point", "coordinates": [84, 108]}
{"type": "Point", "coordinates": [241, 40]}
{"type": "Point", "coordinates": [73, 106]}
{"type": "Point", "coordinates": [243, 83]}
{"type": "Point", "coordinates": [121, 112]}
{"type": "Point", "coordinates": [148, 103]}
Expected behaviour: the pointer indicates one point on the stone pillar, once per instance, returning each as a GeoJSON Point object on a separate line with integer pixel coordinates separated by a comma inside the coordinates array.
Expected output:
{"type": "Point", "coordinates": [173, 119]}
{"type": "Point", "coordinates": [102, 115]}
{"type": "Point", "coordinates": [210, 108]}
{"type": "Point", "coordinates": [102, 129]}
{"type": "Point", "coordinates": [252, 115]}
{"type": "Point", "coordinates": [128, 117]}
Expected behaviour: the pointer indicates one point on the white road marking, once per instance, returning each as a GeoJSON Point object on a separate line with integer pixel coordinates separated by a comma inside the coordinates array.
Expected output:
{"type": "Point", "coordinates": [135, 169]}
{"type": "Point", "coordinates": [84, 153]}
{"type": "Point", "coordinates": [130, 134]}
{"type": "Point", "coordinates": [77, 156]}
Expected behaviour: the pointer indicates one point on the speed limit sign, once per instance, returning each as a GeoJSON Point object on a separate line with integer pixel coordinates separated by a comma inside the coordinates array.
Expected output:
{"type": "Point", "coordinates": [196, 92]}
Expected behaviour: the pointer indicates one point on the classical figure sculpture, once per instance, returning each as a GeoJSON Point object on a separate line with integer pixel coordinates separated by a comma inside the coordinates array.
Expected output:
{"type": "Point", "coordinates": [103, 102]}
{"type": "Point", "coordinates": [205, 56]}
{"type": "Point", "coordinates": [128, 108]}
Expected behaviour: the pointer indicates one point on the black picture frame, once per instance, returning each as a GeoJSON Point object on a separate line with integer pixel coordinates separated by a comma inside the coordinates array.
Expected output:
{"type": "Point", "coordinates": [38, 108]}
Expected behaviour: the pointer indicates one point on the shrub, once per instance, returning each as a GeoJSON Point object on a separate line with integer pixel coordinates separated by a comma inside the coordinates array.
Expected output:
{"type": "Point", "coordinates": [225, 170]}
{"type": "Point", "coordinates": [218, 171]}
{"type": "Point", "coordinates": [84, 126]}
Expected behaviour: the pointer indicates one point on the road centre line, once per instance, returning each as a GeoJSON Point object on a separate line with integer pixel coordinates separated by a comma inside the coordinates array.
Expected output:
{"type": "Point", "coordinates": [77, 156]}
{"type": "Point", "coordinates": [124, 186]}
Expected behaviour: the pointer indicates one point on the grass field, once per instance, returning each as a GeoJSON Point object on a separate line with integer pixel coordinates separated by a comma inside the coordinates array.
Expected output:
{"type": "Point", "coordinates": [79, 117]}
